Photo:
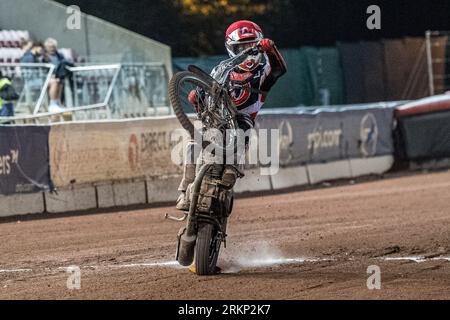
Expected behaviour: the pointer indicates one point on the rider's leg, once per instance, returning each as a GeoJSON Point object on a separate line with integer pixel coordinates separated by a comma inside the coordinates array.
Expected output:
{"type": "Point", "coordinates": [233, 171]}
{"type": "Point", "coordinates": [188, 176]}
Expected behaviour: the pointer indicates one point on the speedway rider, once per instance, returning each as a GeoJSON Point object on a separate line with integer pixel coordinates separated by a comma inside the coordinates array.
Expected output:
{"type": "Point", "coordinates": [250, 82]}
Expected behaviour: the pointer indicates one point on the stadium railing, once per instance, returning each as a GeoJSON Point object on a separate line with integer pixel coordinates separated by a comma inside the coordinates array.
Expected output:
{"type": "Point", "coordinates": [92, 92]}
{"type": "Point", "coordinates": [31, 80]}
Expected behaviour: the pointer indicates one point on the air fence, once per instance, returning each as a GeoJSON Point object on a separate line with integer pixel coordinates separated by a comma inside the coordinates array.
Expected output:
{"type": "Point", "coordinates": [116, 148]}
{"type": "Point", "coordinates": [113, 163]}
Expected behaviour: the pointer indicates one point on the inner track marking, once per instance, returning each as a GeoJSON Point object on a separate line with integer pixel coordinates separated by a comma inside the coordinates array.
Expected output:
{"type": "Point", "coordinates": [417, 259]}
{"type": "Point", "coordinates": [174, 264]}
{"type": "Point", "coordinates": [252, 263]}
{"type": "Point", "coordinates": [15, 270]}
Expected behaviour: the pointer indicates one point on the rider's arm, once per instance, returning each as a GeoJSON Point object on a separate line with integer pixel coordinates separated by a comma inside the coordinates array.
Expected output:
{"type": "Point", "coordinates": [278, 66]}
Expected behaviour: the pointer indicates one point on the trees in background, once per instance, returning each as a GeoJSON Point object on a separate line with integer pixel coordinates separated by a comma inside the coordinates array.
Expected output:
{"type": "Point", "coordinates": [197, 27]}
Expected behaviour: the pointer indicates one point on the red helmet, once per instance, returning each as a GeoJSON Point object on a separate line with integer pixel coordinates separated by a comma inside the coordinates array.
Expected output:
{"type": "Point", "coordinates": [239, 36]}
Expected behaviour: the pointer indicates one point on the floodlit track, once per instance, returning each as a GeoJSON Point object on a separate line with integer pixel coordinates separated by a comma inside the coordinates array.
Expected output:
{"type": "Point", "coordinates": [312, 244]}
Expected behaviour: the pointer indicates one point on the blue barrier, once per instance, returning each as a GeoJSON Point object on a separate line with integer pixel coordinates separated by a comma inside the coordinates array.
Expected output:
{"type": "Point", "coordinates": [331, 134]}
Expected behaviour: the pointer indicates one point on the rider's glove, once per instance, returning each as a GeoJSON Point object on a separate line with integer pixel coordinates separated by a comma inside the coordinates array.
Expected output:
{"type": "Point", "coordinates": [266, 45]}
{"type": "Point", "coordinates": [193, 99]}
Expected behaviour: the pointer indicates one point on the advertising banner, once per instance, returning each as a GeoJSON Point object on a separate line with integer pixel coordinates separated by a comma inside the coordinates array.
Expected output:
{"type": "Point", "coordinates": [331, 134]}
{"type": "Point", "coordinates": [93, 152]}
{"type": "Point", "coordinates": [24, 159]}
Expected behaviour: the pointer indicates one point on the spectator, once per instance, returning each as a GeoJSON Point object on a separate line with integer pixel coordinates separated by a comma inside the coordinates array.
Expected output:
{"type": "Point", "coordinates": [33, 54]}
{"type": "Point", "coordinates": [53, 56]}
{"type": "Point", "coordinates": [25, 44]}
{"type": "Point", "coordinates": [7, 96]}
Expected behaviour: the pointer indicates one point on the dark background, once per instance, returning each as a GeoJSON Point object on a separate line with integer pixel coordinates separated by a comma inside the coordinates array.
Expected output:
{"type": "Point", "coordinates": [196, 27]}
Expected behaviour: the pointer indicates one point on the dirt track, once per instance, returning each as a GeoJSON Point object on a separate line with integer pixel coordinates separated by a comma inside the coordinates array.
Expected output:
{"type": "Point", "coordinates": [340, 230]}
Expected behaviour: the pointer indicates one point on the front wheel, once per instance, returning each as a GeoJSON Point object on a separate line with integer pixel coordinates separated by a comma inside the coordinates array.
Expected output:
{"type": "Point", "coordinates": [207, 249]}
{"type": "Point", "coordinates": [212, 108]}
{"type": "Point", "coordinates": [181, 84]}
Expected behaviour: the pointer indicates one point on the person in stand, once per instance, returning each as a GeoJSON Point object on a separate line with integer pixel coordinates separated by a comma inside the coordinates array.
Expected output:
{"type": "Point", "coordinates": [33, 53]}
{"type": "Point", "coordinates": [56, 86]}
{"type": "Point", "coordinates": [7, 96]}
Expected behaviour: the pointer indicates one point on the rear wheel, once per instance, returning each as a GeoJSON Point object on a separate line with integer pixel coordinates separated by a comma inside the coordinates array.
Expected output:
{"type": "Point", "coordinates": [207, 249]}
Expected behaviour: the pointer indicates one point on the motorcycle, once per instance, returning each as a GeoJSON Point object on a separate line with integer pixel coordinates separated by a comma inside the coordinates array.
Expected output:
{"type": "Point", "coordinates": [211, 201]}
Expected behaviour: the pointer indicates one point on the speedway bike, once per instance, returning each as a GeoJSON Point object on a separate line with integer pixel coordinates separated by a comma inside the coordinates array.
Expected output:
{"type": "Point", "coordinates": [211, 202]}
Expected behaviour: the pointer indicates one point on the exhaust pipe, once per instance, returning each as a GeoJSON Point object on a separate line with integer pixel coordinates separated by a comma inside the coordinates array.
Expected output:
{"type": "Point", "coordinates": [185, 248]}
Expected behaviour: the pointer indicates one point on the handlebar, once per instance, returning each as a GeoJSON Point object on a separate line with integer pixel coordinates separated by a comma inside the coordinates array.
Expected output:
{"type": "Point", "coordinates": [251, 51]}
{"type": "Point", "coordinates": [243, 55]}
{"type": "Point", "coordinates": [223, 70]}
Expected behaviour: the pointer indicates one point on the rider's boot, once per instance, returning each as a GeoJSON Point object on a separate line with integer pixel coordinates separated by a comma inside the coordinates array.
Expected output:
{"type": "Point", "coordinates": [183, 202]}
{"type": "Point", "coordinates": [192, 269]}
{"type": "Point", "coordinates": [188, 177]}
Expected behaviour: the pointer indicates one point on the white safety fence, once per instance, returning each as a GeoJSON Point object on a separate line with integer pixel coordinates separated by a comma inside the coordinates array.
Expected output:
{"type": "Point", "coordinates": [31, 81]}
